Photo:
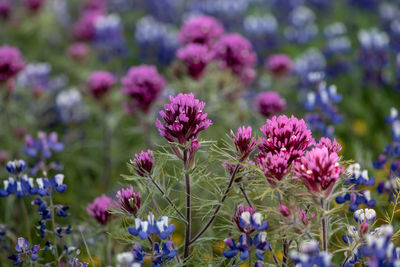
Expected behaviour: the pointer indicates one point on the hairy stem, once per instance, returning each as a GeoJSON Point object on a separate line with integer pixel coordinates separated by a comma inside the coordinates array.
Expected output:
{"type": "Point", "coordinates": [188, 208]}
{"type": "Point", "coordinates": [168, 199]}
{"type": "Point", "coordinates": [274, 256]}
{"type": "Point", "coordinates": [325, 208]}
{"type": "Point", "coordinates": [245, 195]}
{"type": "Point", "coordinates": [208, 224]}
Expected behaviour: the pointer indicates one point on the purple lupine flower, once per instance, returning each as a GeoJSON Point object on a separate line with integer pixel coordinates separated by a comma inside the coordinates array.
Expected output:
{"type": "Point", "coordinates": [164, 254]}
{"type": "Point", "coordinates": [23, 249]}
{"type": "Point", "coordinates": [364, 215]}
{"type": "Point", "coordinates": [143, 84]}
{"type": "Point", "coordinates": [288, 135]}
{"type": "Point", "coordinates": [244, 244]}
{"type": "Point", "coordinates": [201, 29]}
{"type": "Point", "coordinates": [183, 119]}
{"type": "Point", "coordinates": [196, 57]}
{"type": "Point", "coordinates": [34, 5]}
{"type": "Point", "coordinates": [274, 166]}
{"type": "Point", "coordinates": [128, 200]}
{"type": "Point", "coordinates": [279, 64]}
{"type": "Point", "coordinates": [269, 103]}
{"type": "Point", "coordinates": [244, 142]}
{"type": "Point", "coordinates": [235, 52]}
{"type": "Point", "coordinates": [310, 255]}
{"type": "Point", "coordinates": [138, 253]}
{"type": "Point", "coordinates": [100, 82]}
{"type": "Point", "coordinates": [100, 209]}
{"type": "Point", "coordinates": [16, 166]}
{"type": "Point", "coordinates": [143, 162]}
{"type": "Point", "coordinates": [319, 169]}
{"type": "Point", "coordinates": [248, 220]}
{"type": "Point", "coordinates": [11, 62]}
{"type": "Point", "coordinates": [45, 145]}
{"type": "Point", "coordinates": [160, 227]}
{"type": "Point", "coordinates": [75, 262]}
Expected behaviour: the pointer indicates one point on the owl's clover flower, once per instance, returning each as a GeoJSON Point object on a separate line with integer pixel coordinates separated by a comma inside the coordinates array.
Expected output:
{"type": "Point", "coordinates": [11, 62]}
{"type": "Point", "coordinates": [196, 58]}
{"type": "Point", "coordinates": [128, 200]}
{"type": "Point", "coordinates": [202, 29]}
{"type": "Point", "coordinates": [100, 209]}
{"type": "Point", "coordinates": [100, 83]}
{"type": "Point", "coordinates": [143, 162]}
{"type": "Point", "coordinates": [269, 103]}
{"type": "Point", "coordinates": [279, 64]}
{"type": "Point", "coordinates": [244, 142]}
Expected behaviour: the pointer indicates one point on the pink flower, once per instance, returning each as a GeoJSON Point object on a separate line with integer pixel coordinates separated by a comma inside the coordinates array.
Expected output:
{"type": "Point", "coordinates": [95, 5]}
{"type": "Point", "coordinates": [100, 82]}
{"type": "Point", "coordinates": [5, 8]}
{"type": "Point", "coordinates": [143, 84]}
{"type": "Point", "coordinates": [331, 146]}
{"type": "Point", "coordinates": [287, 135]}
{"type": "Point", "coordinates": [319, 169]}
{"type": "Point", "coordinates": [284, 210]}
{"type": "Point", "coordinates": [11, 62]}
{"type": "Point", "coordinates": [244, 142]}
{"type": "Point", "coordinates": [78, 51]}
{"type": "Point", "coordinates": [143, 162]}
{"type": "Point", "coordinates": [196, 57]}
{"type": "Point", "coordinates": [128, 200]}
{"type": "Point", "coordinates": [34, 5]}
{"type": "Point", "coordinates": [269, 103]}
{"type": "Point", "coordinates": [84, 29]}
{"type": "Point", "coordinates": [235, 52]}
{"type": "Point", "coordinates": [279, 64]}
{"type": "Point", "coordinates": [201, 29]}
{"type": "Point", "coordinates": [183, 119]}
{"type": "Point", "coordinates": [274, 166]}
{"type": "Point", "coordinates": [100, 209]}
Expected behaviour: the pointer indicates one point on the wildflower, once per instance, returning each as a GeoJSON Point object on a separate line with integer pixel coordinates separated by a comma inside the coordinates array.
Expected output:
{"type": "Point", "coordinates": [84, 28]}
{"type": "Point", "coordinates": [45, 145]}
{"type": "Point", "coordinates": [138, 253]}
{"type": "Point", "coordinates": [164, 254]}
{"type": "Point", "coordinates": [143, 84]}
{"type": "Point", "coordinates": [288, 135]}
{"type": "Point", "coordinates": [23, 249]}
{"type": "Point", "coordinates": [274, 166]}
{"type": "Point", "coordinates": [244, 142]}
{"type": "Point", "coordinates": [100, 209]}
{"type": "Point", "coordinates": [78, 51]}
{"type": "Point", "coordinates": [234, 52]}
{"type": "Point", "coordinates": [332, 146]}
{"type": "Point", "coordinates": [11, 62]}
{"type": "Point", "coordinates": [16, 166]}
{"type": "Point", "coordinates": [319, 170]}
{"type": "Point", "coordinates": [279, 64]}
{"type": "Point", "coordinates": [196, 57]}
{"type": "Point", "coordinates": [5, 9]}
{"type": "Point", "coordinates": [364, 215]}
{"type": "Point", "coordinates": [311, 256]}
{"type": "Point", "coordinates": [125, 259]}
{"type": "Point", "coordinates": [183, 119]}
{"type": "Point", "coordinates": [128, 200]}
{"type": "Point", "coordinates": [143, 162]}
{"type": "Point", "coordinates": [74, 262]}
{"type": "Point", "coordinates": [151, 226]}
{"type": "Point", "coordinates": [269, 103]}
{"type": "Point", "coordinates": [100, 82]}
{"type": "Point", "coordinates": [201, 29]}
{"type": "Point", "coordinates": [245, 242]}
{"type": "Point", "coordinates": [34, 5]}
{"type": "Point", "coordinates": [302, 26]}
{"type": "Point", "coordinates": [284, 210]}
{"type": "Point", "coordinates": [248, 220]}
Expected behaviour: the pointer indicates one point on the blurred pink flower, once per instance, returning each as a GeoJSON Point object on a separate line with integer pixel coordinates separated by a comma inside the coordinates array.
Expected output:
{"type": "Point", "coordinates": [270, 103]}
{"type": "Point", "coordinates": [143, 162]}
{"type": "Point", "coordinates": [279, 64]}
{"type": "Point", "coordinates": [100, 209]}
{"type": "Point", "coordinates": [11, 62]}
{"type": "Point", "coordinates": [100, 82]}
{"type": "Point", "coordinates": [196, 57]}
{"type": "Point", "coordinates": [244, 142]}
{"type": "Point", "coordinates": [201, 29]}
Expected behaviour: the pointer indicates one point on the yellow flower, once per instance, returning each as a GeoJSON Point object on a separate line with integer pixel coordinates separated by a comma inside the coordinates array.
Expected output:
{"type": "Point", "coordinates": [359, 127]}
{"type": "Point", "coordinates": [177, 238]}
{"type": "Point", "coordinates": [279, 255]}
{"type": "Point", "coordinates": [219, 247]}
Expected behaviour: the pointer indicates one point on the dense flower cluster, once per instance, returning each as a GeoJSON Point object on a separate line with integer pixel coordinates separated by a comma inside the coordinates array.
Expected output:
{"type": "Point", "coordinates": [23, 248]}
{"type": "Point", "coordinates": [100, 209]}
{"type": "Point", "coordinates": [279, 64]}
{"type": "Point", "coordinates": [151, 226]}
{"type": "Point", "coordinates": [196, 57]}
{"type": "Point", "coordinates": [100, 82]}
{"type": "Point", "coordinates": [143, 162]}
{"type": "Point", "coordinates": [128, 200]}
{"type": "Point", "coordinates": [202, 29]}
{"type": "Point", "coordinates": [143, 84]}
{"type": "Point", "coordinates": [310, 255]}
{"type": "Point", "coordinates": [11, 62]}
{"type": "Point", "coordinates": [244, 142]}
{"type": "Point", "coordinates": [269, 103]}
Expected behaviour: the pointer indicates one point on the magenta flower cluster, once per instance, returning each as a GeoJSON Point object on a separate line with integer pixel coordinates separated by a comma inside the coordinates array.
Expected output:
{"type": "Point", "coordinates": [128, 200]}
{"type": "Point", "coordinates": [196, 57]}
{"type": "Point", "coordinates": [11, 62]}
{"type": "Point", "coordinates": [143, 84]}
{"type": "Point", "coordinates": [100, 208]}
{"type": "Point", "coordinates": [183, 119]}
{"type": "Point", "coordinates": [100, 83]}
{"type": "Point", "coordinates": [285, 140]}
{"type": "Point", "coordinates": [279, 64]}
{"type": "Point", "coordinates": [244, 142]}
{"type": "Point", "coordinates": [269, 103]}
{"type": "Point", "coordinates": [201, 29]}
{"type": "Point", "coordinates": [143, 162]}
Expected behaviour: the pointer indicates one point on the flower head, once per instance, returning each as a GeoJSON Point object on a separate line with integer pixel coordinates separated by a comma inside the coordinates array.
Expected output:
{"type": "Point", "coordinates": [78, 51]}
{"type": "Point", "coordinates": [319, 170]}
{"type": "Point", "coordinates": [143, 84]}
{"type": "Point", "coordinates": [269, 103]}
{"type": "Point", "coordinates": [196, 57]}
{"type": "Point", "coordinates": [100, 82]}
{"type": "Point", "coordinates": [100, 209]}
{"type": "Point", "coordinates": [274, 166]}
{"type": "Point", "coordinates": [287, 135]}
{"type": "Point", "coordinates": [11, 62]}
{"type": "Point", "coordinates": [160, 227]}
{"type": "Point", "coordinates": [279, 64]}
{"type": "Point", "coordinates": [23, 248]}
{"type": "Point", "coordinates": [128, 200]}
{"type": "Point", "coordinates": [244, 142]}
{"type": "Point", "coordinates": [84, 29]}
{"type": "Point", "coordinates": [143, 162]}
{"type": "Point", "coordinates": [364, 215]}
{"type": "Point", "coordinates": [332, 146]}
{"type": "Point", "coordinates": [248, 220]}
{"type": "Point", "coordinates": [34, 5]}
{"type": "Point", "coordinates": [183, 119]}
{"type": "Point", "coordinates": [201, 29]}
{"type": "Point", "coordinates": [235, 52]}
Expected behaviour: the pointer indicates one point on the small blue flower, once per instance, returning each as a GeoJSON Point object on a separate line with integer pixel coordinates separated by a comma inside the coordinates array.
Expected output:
{"type": "Point", "coordinates": [16, 166]}
{"type": "Point", "coordinates": [151, 226]}
{"type": "Point", "coordinates": [23, 248]}
{"type": "Point", "coordinates": [163, 255]}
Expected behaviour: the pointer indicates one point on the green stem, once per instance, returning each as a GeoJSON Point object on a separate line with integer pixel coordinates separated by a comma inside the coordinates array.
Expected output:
{"type": "Point", "coordinates": [26, 218]}
{"type": "Point", "coordinates": [53, 222]}
{"type": "Point", "coordinates": [188, 209]}
{"type": "Point", "coordinates": [325, 208]}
